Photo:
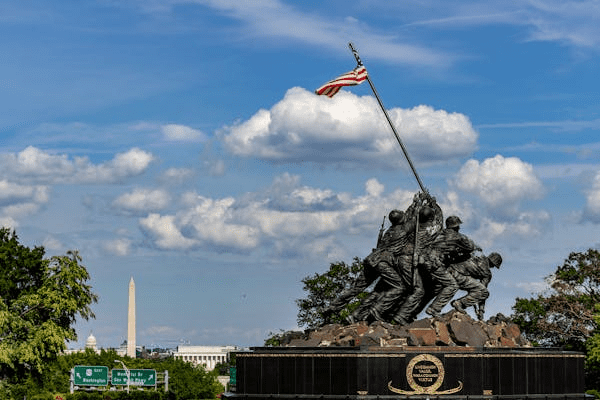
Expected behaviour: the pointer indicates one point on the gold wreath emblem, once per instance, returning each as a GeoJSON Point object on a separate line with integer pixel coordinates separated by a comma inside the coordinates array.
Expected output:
{"type": "Point", "coordinates": [418, 389]}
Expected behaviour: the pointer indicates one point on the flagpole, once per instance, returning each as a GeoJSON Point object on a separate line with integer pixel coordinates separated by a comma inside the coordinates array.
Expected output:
{"type": "Point", "coordinates": [412, 167]}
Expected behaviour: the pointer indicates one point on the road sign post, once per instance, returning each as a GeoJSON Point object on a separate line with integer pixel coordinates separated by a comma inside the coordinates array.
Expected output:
{"type": "Point", "coordinates": [90, 375]}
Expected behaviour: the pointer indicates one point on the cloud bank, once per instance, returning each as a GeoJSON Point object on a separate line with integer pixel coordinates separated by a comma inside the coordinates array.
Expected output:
{"type": "Point", "coordinates": [348, 129]}
{"type": "Point", "coordinates": [288, 218]}
{"type": "Point", "coordinates": [36, 165]}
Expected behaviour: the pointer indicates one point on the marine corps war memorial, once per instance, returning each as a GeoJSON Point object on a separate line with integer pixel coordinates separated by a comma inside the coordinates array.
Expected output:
{"type": "Point", "coordinates": [421, 264]}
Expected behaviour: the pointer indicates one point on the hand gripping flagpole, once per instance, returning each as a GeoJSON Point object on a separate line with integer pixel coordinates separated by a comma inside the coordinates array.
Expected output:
{"type": "Point", "coordinates": [412, 167]}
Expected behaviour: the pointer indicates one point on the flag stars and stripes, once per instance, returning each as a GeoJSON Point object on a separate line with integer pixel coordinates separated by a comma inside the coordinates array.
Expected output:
{"type": "Point", "coordinates": [352, 78]}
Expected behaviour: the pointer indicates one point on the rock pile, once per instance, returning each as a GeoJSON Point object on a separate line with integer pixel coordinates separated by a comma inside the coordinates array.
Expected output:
{"type": "Point", "coordinates": [451, 329]}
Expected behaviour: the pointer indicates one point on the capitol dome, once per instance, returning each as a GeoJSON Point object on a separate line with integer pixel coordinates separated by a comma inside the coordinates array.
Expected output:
{"type": "Point", "coordinates": [90, 343]}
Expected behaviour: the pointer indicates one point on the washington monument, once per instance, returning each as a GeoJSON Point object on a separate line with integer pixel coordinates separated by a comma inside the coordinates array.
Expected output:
{"type": "Point", "coordinates": [131, 320]}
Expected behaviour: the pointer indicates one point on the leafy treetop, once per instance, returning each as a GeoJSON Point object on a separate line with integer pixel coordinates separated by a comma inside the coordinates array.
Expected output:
{"type": "Point", "coordinates": [564, 314]}
{"type": "Point", "coordinates": [322, 289]}
{"type": "Point", "coordinates": [40, 300]}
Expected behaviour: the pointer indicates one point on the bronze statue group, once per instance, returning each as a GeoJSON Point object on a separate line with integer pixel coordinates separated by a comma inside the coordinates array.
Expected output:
{"type": "Point", "coordinates": [418, 264]}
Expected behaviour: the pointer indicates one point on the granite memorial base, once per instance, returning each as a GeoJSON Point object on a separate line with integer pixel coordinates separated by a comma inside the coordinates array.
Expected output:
{"type": "Point", "coordinates": [421, 372]}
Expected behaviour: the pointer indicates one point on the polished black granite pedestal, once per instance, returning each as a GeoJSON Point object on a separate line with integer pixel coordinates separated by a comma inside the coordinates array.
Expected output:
{"type": "Point", "coordinates": [415, 372]}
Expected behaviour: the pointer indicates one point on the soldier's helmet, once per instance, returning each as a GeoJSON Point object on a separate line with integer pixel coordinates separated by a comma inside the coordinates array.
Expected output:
{"type": "Point", "coordinates": [396, 217]}
{"type": "Point", "coordinates": [426, 214]}
{"type": "Point", "coordinates": [453, 221]}
{"type": "Point", "coordinates": [495, 259]}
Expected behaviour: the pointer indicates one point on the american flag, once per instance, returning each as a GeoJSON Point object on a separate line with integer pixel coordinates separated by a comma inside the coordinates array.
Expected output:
{"type": "Point", "coordinates": [354, 77]}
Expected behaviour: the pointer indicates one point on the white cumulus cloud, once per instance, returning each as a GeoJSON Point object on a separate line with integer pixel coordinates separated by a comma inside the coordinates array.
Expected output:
{"type": "Point", "coordinates": [501, 183]}
{"type": "Point", "coordinates": [287, 217]}
{"type": "Point", "coordinates": [348, 129]}
{"type": "Point", "coordinates": [38, 165]}
{"type": "Point", "coordinates": [21, 210]}
{"type": "Point", "coordinates": [52, 243]}
{"type": "Point", "coordinates": [123, 165]}
{"type": "Point", "coordinates": [142, 200]}
{"type": "Point", "coordinates": [177, 132]}
{"type": "Point", "coordinates": [523, 226]}
{"type": "Point", "coordinates": [592, 206]}
{"type": "Point", "coordinates": [18, 201]}
{"type": "Point", "coordinates": [165, 232]}
{"type": "Point", "coordinates": [119, 247]}
{"type": "Point", "coordinates": [11, 192]}
{"type": "Point", "coordinates": [8, 222]}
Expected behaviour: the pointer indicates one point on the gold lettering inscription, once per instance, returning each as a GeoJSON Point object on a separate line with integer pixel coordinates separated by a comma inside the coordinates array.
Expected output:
{"type": "Point", "coordinates": [425, 369]}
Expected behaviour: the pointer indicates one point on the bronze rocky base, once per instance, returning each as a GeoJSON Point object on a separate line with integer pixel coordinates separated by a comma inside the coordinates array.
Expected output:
{"type": "Point", "coordinates": [450, 329]}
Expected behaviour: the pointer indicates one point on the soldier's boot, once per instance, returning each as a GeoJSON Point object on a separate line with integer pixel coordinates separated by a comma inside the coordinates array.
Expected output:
{"type": "Point", "coordinates": [458, 306]}
{"type": "Point", "coordinates": [401, 318]}
{"type": "Point", "coordinates": [434, 313]}
{"type": "Point", "coordinates": [375, 314]}
{"type": "Point", "coordinates": [480, 312]}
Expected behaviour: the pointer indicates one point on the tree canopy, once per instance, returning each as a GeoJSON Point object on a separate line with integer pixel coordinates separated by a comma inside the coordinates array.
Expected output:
{"type": "Point", "coordinates": [323, 288]}
{"type": "Point", "coordinates": [40, 299]}
{"type": "Point", "coordinates": [186, 381]}
{"type": "Point", "coordinates": [564, 314]}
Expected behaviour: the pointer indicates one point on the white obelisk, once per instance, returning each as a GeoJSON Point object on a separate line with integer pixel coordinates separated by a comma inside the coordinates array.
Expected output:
{"type": "Point", "coordinates": [131, 320]}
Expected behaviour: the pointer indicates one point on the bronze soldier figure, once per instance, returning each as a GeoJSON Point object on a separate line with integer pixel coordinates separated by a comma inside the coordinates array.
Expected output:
{"type": "Point", "coordinates": [380, 264]}
{"type": "Point", "coordinates": [473, 276]}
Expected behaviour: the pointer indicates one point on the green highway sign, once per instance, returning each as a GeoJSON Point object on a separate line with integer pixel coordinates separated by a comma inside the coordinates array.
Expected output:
{"type": "Point", "coordinates": [90, 375]}
{"type": "Point", "coordinates": [139, 377]}
{"type": "Point", "coordinates": [232, 375]}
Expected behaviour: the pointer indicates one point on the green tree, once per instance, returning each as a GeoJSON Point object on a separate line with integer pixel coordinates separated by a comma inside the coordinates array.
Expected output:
{"type": "Point", "coordinates": [189, 382]}
{"type": "Point", "coordinates": [322, 289]}
{"type": "Point", "coordinates": [40, 300]}
{"type": "Point", "coordinates": [592, 359]}
{"type": "Point", "coordinates": [223, 368]}
{"type": "Point", "coordinates": [186, 382]}
{"type": "Point", "coordinates": [564, 314]}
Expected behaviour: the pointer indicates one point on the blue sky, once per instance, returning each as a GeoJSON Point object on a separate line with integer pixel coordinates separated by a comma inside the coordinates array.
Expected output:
{"type": "Point", "coordinates": [180, 142]}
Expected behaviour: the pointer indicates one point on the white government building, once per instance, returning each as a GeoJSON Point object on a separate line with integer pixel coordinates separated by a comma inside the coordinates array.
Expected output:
{"type": "Point", "coordinates": [208, 356]}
